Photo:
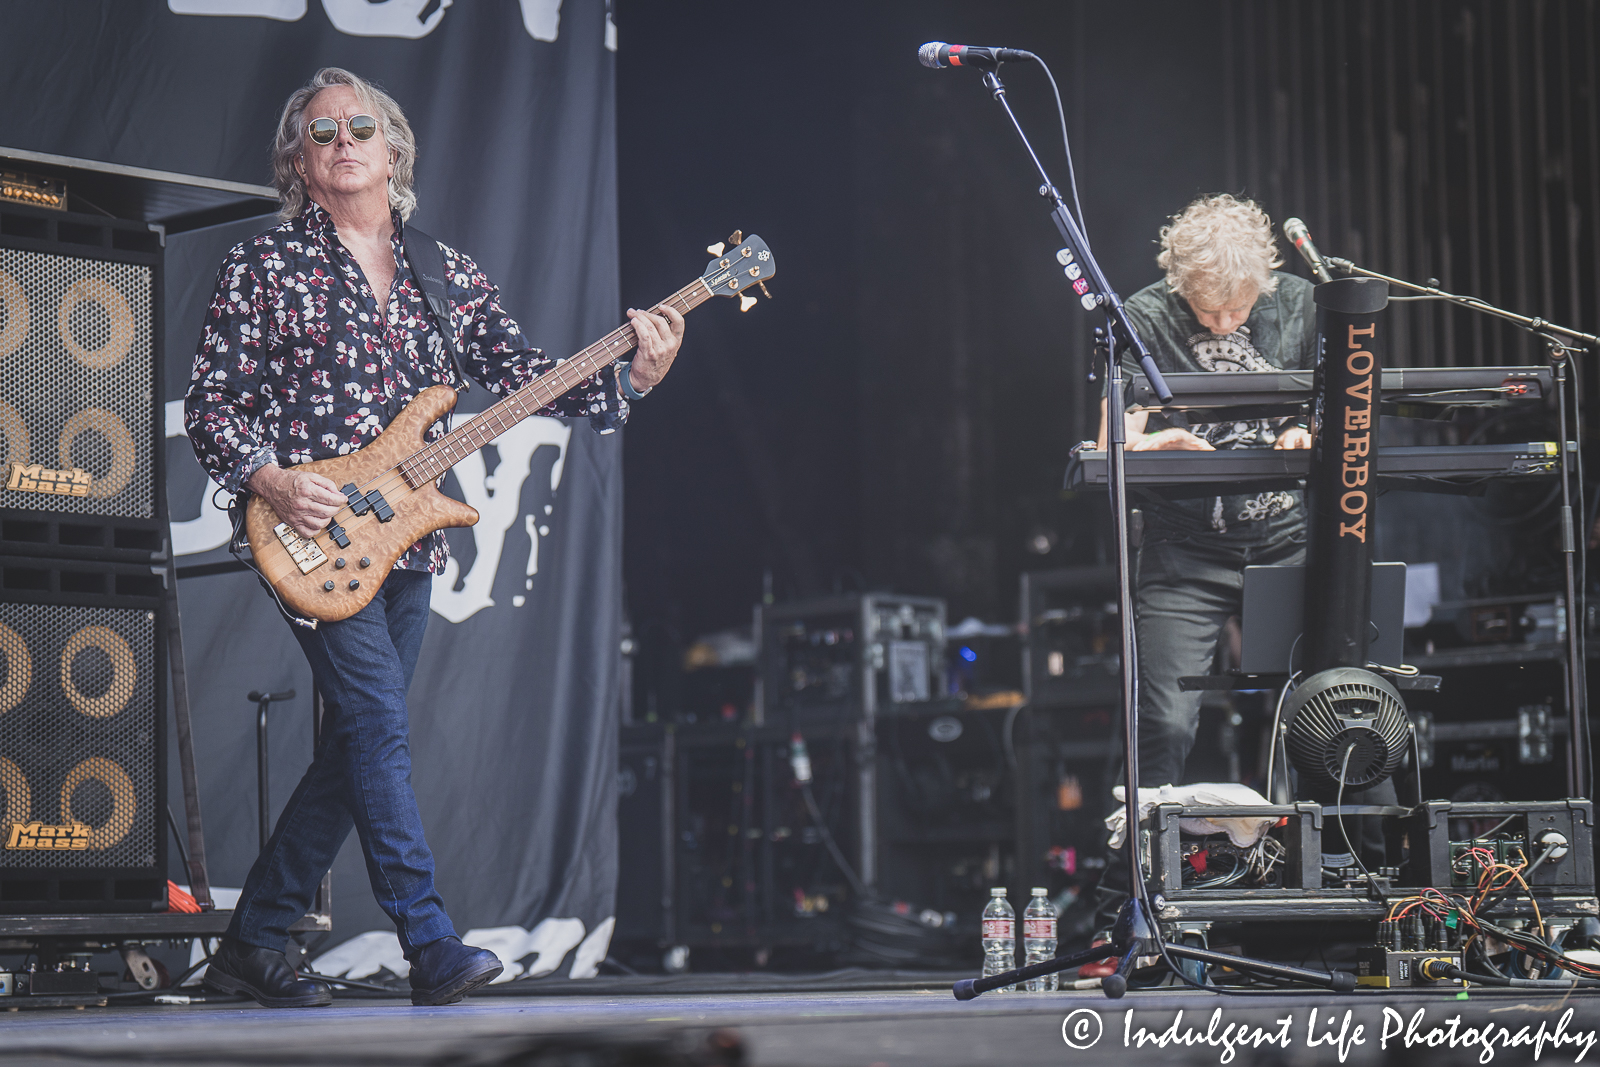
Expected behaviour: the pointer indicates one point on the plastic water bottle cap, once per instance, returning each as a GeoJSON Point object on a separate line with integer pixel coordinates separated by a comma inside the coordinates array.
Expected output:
{"type": "Point", "coordinates": [998, 891]}
{"type": "Point", "coordinates": [1039, 891]}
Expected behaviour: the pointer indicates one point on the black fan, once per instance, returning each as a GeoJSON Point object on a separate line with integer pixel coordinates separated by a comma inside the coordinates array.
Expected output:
{"type": "Point", "coordinates": [1335, 709]}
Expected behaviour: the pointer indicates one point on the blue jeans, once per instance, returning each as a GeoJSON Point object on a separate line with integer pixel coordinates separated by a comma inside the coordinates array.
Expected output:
{"type": "Point", "coordinates": [360, 776]}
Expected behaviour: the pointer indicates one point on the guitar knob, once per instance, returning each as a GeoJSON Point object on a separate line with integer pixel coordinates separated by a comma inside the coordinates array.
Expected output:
{"type": "Point", "coordinates": [338, 564]}
{"type": "Point", "coordinates": [366, 561]}
{"type": "Point", "coordinates": [355, 583]}
{"type": "Point", "coordinates": [327, 586]}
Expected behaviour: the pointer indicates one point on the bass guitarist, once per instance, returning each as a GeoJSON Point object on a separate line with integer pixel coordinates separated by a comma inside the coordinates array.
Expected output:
{"type": "Point", "coordinates": [318, 335]}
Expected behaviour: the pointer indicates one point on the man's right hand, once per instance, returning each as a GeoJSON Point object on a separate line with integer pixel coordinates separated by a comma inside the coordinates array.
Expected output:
{"type": "Point", "coordinates": [1171, 439]}
{"type": "Point", "coordinates": [304, 500]}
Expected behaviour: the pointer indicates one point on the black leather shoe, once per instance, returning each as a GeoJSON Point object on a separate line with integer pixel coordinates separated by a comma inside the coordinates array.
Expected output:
{"type": "Point", "coordinates": [264, 975]}
{"type": "Point", "coordinates": [445, 970]}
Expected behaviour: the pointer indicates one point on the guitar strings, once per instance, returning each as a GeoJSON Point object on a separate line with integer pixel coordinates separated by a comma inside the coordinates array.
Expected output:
{"type": "Point", "coordinates": [427, 456]}
{"type": "Point", "coordinates": [429, 453]}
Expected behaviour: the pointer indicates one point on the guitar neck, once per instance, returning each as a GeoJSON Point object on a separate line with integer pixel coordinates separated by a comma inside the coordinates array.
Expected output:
{"type": "Point", "coordinates": [429, 463]}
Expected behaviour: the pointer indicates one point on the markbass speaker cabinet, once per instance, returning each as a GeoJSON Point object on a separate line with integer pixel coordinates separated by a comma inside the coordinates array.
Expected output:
{"type": "Point", "coordinates": [82, 746]}
{"type": "Point", "coordinates": [80, 352]}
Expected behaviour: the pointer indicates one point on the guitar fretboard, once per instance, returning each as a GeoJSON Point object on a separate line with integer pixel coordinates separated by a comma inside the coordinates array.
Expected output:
{"type": "Point", "coordinates": [427, 464]}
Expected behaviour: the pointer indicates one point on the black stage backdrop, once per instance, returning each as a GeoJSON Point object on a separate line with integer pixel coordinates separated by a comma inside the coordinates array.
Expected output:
{"type": "Point", "coordinates": [513, 707]}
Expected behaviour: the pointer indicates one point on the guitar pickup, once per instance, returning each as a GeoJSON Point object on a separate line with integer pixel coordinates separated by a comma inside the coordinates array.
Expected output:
{"type": "Point", "coordinates": [305, 553]}
{"type": "Point", "coordinates": [358, 502]}
{"type": "Point", "coordinates": [337, 535]}
{"type": "Point", "coordinates": [380, 506]}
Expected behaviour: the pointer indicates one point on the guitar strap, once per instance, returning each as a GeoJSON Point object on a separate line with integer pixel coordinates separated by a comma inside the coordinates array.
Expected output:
{"type": "Point", "coordinates": [426, 260]}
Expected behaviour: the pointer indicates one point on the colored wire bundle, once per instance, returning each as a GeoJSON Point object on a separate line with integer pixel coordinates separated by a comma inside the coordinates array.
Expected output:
{"type": "Point", "coordinates": [1496, 880]}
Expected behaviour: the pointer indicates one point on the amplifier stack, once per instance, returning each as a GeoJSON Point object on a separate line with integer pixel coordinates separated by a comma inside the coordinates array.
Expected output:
{"type": "Point", "coordinates": [83, 566]}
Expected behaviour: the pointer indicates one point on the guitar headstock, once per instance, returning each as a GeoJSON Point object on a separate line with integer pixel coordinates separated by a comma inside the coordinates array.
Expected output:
{"type": "Point", "coordinates": [745, 266]}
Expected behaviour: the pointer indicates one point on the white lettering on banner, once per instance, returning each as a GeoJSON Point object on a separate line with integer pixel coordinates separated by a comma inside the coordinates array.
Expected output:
{"type": "Point", "coordinates": [211, 529]}
{"type": "Point", "coordinates": [549, 943]}
{"type": "Point", "coordinates": [498, 498]}
{"type": "Point", "coordinates": [408, 19]}
{"type": "Point", "coordinates": [531, 525]}
{"type": "Point", "coordinates": [541, 18]}
{"type": "Point", "coordinates": [282, 10]}
{"type": "Point", "coordinates": [588, 956]}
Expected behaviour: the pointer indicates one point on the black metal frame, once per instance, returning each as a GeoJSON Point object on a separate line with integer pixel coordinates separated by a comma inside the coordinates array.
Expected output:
{"type": "Point", "coordinates": [1560, 343]}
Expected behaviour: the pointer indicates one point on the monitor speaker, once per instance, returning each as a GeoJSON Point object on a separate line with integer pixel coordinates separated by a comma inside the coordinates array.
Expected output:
{"type": "Point", "coordinates": [79, 348]}
{"type": "Point", "coordinates": [82, 740]}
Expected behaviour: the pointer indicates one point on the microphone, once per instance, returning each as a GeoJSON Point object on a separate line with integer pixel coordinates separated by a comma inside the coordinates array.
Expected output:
{"type": "Point", "coordinates": [938, 54]}
{"type": "Point", "coordinates": [1296, 231]}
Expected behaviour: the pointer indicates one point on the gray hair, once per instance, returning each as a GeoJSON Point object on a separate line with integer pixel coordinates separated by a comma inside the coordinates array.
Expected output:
{"type": "Point", "coordinates": [1218, 247]}
{"type": "Point", "coordinates": [290, 141]}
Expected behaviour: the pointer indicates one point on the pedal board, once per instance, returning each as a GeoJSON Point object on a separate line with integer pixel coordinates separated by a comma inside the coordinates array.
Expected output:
{"type": "Point", "coordinates": [1554, 838]}
{"type": "Point", "coordinates": [1435, 845]}
{"type": "Point", "coordinates": [1387, 968]}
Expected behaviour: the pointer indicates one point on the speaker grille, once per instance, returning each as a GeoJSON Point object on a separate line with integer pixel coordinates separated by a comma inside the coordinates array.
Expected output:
{"type": "Point", "coordinates": [76, 347]}
{"type": "Point", "coordinates": [78, 738]}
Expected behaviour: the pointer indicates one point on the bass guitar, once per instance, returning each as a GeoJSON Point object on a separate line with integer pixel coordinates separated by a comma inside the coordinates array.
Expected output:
{"type": "Point", "coordinates": [392, 484]}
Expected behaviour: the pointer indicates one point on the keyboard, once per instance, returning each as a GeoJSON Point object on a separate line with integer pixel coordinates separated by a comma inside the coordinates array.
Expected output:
{"type": "Point", "coordinates": [1241, 470]}
{"type": "Point", "coordinates": [1265, 394]}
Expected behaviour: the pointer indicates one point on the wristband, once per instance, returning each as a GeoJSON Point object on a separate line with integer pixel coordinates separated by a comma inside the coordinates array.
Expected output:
{"type": "Point", "coordinates": [625, 382]}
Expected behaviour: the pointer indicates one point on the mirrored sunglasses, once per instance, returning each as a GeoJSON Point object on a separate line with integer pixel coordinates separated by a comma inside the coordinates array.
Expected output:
{"type": "Point", "coordinates": [323, 131]}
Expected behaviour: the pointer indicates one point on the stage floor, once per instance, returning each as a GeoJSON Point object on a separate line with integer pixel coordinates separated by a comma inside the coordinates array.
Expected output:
{"type": "Point", "coordinates": [927, 1028]}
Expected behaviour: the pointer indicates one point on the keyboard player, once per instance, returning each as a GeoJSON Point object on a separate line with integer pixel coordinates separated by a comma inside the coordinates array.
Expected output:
{"type": "Point", "coordinates": [1222, 307]}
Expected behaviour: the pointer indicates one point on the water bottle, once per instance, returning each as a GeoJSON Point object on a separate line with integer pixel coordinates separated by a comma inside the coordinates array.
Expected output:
{"type": "Point", "coordinates": [999, 937]}
{"type": "Point", "coordinates": [1039, 940]}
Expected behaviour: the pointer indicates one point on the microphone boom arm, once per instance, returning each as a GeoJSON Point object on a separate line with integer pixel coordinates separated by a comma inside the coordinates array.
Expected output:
{"type": "Point", "coordinates": [1534, 325]}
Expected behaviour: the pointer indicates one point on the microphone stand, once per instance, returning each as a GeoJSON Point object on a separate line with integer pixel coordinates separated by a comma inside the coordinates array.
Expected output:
{"type": "Point", "coordinates": [1135, 933]}
{"type": "Point", "coordinates": [1094, 284]}
{"type": "Point", "coordinates": [1559, 340]}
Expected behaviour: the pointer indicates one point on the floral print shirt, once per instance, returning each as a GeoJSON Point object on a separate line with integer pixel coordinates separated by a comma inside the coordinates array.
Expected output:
{"type": "Point", "coordinates": [296, 362]}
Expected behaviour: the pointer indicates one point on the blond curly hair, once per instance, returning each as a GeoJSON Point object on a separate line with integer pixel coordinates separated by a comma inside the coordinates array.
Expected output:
{"type": "Point", "coordinates": [290, 141]}
{"type": "Point", "coordinates": [1219, 248]}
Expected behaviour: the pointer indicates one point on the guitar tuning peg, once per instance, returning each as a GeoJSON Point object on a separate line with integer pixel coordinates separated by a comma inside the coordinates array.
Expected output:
{"type": "Point", "coordinates": [716, 249]}
{"type": "Point", "coordinates": [736, 237]}
{"type": "Point", "coordinates": [764, 292]}
{"type": "Point", "coordinates": [746, 301]}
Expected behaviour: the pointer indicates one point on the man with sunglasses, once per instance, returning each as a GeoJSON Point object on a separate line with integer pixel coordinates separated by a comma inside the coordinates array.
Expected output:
{"type": "Point", "coordinates": [317, 336]}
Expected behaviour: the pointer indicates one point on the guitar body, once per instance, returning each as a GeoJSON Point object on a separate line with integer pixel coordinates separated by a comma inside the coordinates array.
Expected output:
{"type": "Point", "coordinates": [417, 513]}
{"type": "Point", "coordinates": [324, 577]}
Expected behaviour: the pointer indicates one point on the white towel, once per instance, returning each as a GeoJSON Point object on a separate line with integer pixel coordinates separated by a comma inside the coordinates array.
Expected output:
{"type": "Point", "coordinates": [1243, 832]}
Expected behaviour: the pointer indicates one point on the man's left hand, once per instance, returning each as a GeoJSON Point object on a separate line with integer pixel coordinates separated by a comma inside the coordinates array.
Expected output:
{"type": "Point", "coordinates": [1294, 437]}
{"type": "Point", "coordinates": [660, 336]}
